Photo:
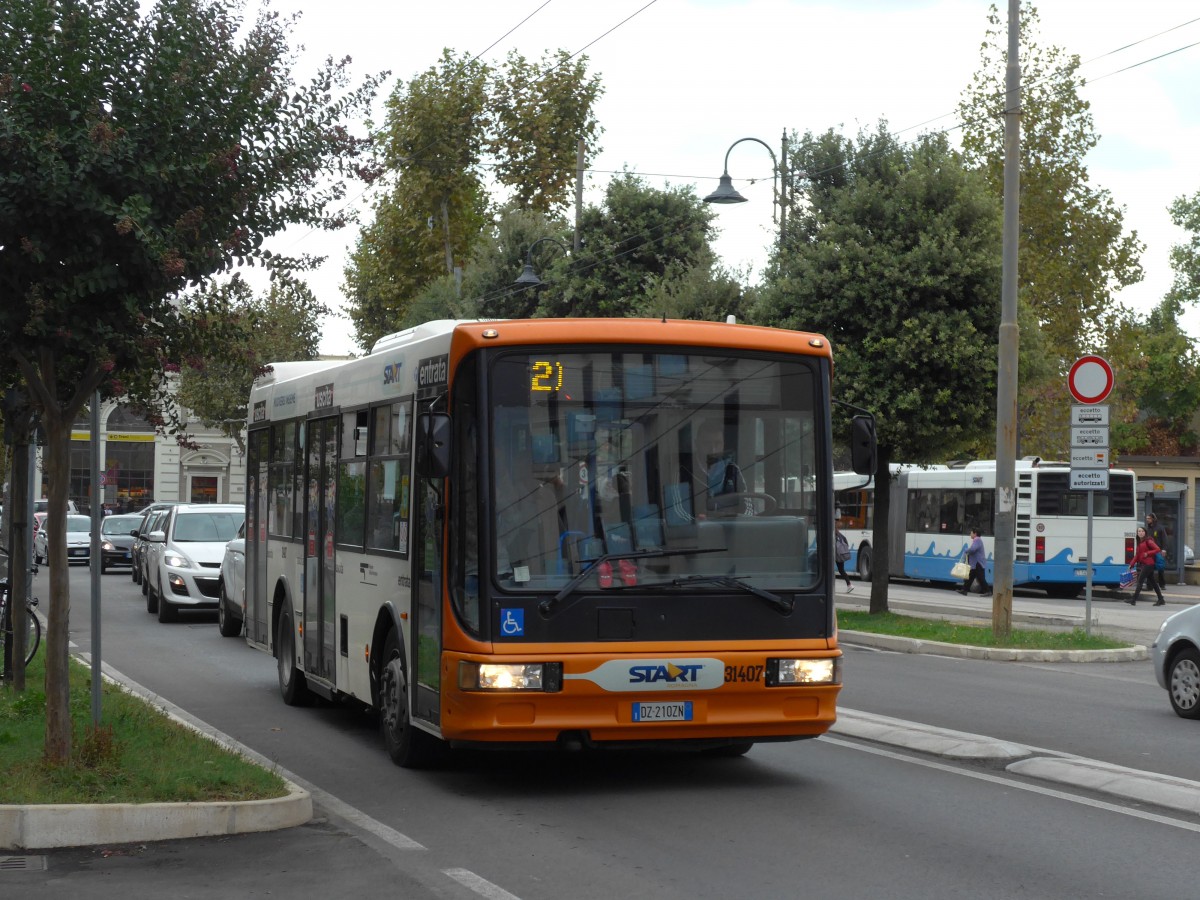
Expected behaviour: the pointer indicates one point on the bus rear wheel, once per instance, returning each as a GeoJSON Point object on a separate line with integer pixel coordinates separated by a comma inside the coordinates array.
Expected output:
{"type": "Point", "coordinates": [407, 745]}
{"type": "Point", "coordinates": [292, 686]}
{"type": "Point", "coordinates": [864, 562]}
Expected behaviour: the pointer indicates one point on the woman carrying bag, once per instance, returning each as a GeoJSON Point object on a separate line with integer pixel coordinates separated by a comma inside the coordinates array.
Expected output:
{"type": "Point", "coordinates": [977, 560]}
{"type": "Point", "coordinates": [1143, 560]}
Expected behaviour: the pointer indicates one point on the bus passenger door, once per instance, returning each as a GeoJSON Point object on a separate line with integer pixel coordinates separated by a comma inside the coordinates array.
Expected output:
{"type": "Point", "coordinates": [319, 560]}
{"type": "Point", "coordinates": [428, 587]}
{"type": "Point", "coordinates": [255, 579]}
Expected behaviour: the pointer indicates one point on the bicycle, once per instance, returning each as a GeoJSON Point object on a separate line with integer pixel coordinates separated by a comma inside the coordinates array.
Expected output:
{"type": "Point", "coordinates": [33, 625]}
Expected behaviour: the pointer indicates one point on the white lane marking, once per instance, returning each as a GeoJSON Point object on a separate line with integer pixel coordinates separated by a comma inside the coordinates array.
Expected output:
{"type": "Point", "coordinates": [481, 886]}
{"type": "Point", "coordinates": [1019, 785]}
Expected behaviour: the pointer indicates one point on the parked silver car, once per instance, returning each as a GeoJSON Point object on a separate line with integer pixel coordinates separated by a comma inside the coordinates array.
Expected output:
{"type": "Point", "coordinates": [231, 590]}
{"type": "Point", "coordinates": [151, 521]}
{"type": "Point", "coordinates": [79, 541]}
{"type": "Point", "coordinates": [1176, 656]}
{"type": "Point", "coordinates": [183, 557]}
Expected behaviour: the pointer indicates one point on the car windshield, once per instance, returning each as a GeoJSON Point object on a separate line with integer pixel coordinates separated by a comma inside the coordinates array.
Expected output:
{"type": "Point", "coordinates": [119, 524]}
{"type": "Point", "coordinates": [206, 526]}
{"type": "Point", "coordinates": [79, 523]}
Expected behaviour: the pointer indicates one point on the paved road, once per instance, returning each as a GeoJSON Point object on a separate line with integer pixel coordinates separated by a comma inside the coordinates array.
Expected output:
{"type": "Point", "coordinates": [668, 826]}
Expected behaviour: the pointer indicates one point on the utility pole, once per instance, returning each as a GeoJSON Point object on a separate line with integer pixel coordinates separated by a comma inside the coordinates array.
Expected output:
{"type": "Point", "coordinates": [1006, 382]}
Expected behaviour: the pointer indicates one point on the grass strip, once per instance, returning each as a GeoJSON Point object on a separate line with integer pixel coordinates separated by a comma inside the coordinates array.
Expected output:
{"type": "Point", "coordinates": [137, 754]}
{"type": "Point", "coordinates": [973, 635]}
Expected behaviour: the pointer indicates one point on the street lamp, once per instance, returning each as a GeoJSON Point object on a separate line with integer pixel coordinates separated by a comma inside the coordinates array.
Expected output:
{"type": "Point", "coordinates": [727, 193]}
{"type": "Point", "coordinates": [528, 278]}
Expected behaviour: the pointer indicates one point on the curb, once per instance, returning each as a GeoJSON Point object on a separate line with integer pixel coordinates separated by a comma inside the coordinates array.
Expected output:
{"type": "Point", "coordinates": [1165, 791]}
{"type": "Point", "coordinates": [1002, 654]}
{"type": "Point", "coordinates": [924, 738]}
{"type": "Point", "coordinates": [49, 826]}
{"type": "Point", "coordinates": [43, 827]}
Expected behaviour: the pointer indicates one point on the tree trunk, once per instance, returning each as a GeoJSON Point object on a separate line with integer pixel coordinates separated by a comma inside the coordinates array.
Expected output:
{"type": "Point", "coordinates": [57, 750]}
{"type": "Point", "coordinates": [880, 547]}
{"type": "Point", "coordinates": [18, 573]}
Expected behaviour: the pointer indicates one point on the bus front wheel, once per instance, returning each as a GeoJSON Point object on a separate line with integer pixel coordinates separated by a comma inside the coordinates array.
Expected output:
{"type": "Point", "coordinates": [407, 745]}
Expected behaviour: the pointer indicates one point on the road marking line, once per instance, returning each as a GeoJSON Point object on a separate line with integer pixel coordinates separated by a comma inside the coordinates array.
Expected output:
{"type": "Point", "coordinates": [481, 886]}
{"type": "Point", "coordinates": [1020, 785]}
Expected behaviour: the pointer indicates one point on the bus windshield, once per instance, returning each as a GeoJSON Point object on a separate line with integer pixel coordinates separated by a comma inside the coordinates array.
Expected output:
{"type": "Point", "coordinates": [599, 458]}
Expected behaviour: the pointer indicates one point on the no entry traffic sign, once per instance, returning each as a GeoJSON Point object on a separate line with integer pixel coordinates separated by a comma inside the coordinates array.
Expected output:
{"type": "Point", "coordinates": [1090, 379]}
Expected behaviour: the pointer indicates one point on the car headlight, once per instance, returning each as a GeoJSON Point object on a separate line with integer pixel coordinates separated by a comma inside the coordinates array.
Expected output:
{"type": "Point", "coordinates": [177, 561]}
{"type": "Point", "coordinates": [781, 672]}
{"type": "Point", "coordinates": [107, 545]}
{"type": "Point", "coordinates": [476, 676]}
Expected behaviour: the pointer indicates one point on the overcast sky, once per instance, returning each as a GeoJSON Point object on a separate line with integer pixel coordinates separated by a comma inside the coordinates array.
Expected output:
{"type": "Point", "coordinates": [684, 79]}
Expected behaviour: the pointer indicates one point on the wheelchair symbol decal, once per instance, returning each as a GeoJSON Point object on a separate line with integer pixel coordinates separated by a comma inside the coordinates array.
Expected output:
{"type": "Point", "coordinates": [512, 622]}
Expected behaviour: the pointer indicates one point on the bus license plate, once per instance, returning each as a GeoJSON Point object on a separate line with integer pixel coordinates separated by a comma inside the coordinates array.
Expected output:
{"type": "Point", "coordinates": [672, 711]}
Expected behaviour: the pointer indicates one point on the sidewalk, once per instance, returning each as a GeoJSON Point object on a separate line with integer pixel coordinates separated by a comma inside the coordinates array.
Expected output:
{"type": "Point", "coordinates": [1031, 609]}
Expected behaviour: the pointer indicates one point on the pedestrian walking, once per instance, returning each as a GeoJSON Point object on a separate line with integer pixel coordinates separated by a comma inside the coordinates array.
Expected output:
{"type": "Point", "coordinates": [1143, 560]}
{"type": "Point", "coordinates": [841, 554]}
{"type": "Point", "coordinates": [1158, 534]}
{"type": "Point", "coordinates": [977, 560]}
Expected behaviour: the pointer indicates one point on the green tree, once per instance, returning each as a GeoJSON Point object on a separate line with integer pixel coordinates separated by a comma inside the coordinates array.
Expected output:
{"type": "Point", "coordinates": [142, 152]}
{"type": "Point", "coordinates": [1185, 258]}
{"type": "Point", "coordinates": [1073, 253]}
{"type": "Point", "coordinates": [448, 133]}
{"type": "Point", "coordinates": [893, 252]}
{"type": "Point", "coordinates": [646, 253]}
{"type": "Point", "coordinates": [1157, 387]}
{"type": "Point", "coordinates": [542, 111]}
{"type": "Point", "coordinates": [637, 243]}
{"type": "Point", "coordinates": [284, 324]}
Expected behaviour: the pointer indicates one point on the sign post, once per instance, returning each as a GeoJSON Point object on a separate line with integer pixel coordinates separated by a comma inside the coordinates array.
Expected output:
{"type": "Point", "coordinates": [1090, 381]}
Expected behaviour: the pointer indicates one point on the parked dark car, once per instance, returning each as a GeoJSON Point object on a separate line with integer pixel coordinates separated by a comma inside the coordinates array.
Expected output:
{"type": "Point", "coordinates": [116, 540]}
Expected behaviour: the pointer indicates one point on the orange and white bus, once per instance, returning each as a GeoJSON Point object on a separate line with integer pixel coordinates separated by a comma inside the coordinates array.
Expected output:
{"type": "Point", "coordinates": [582, 533]}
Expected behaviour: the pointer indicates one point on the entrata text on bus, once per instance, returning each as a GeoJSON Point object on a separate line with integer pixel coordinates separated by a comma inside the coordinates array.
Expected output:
{"type": "Point", "coordinates": [582, 533]}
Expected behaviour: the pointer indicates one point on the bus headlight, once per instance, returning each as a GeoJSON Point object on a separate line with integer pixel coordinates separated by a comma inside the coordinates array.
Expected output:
{"type": "Point", "coordinates": [804, 671]}
{"type": "Point", "coordinates": [477, 676]}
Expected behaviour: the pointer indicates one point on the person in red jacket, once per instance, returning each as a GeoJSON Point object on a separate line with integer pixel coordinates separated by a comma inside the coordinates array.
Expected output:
{"type": "Point", "coordinates": [1143, 560]}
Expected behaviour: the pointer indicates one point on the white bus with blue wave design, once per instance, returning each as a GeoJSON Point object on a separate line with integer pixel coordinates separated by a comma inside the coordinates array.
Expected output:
{"type": "Point", "coordinates": [854, 498]}
{"type": "Point", "coordinates": [933, 511]}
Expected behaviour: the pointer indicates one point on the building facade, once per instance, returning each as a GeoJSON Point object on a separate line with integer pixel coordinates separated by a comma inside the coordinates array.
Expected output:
{"type": "Point", "coordinates": [139, 466]}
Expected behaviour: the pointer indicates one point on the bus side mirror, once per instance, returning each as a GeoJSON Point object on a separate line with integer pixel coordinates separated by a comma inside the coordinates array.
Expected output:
{"type": "Point", "coordinates": [862, 445]}
{"type": "Point", "coordinates": [433, 445]}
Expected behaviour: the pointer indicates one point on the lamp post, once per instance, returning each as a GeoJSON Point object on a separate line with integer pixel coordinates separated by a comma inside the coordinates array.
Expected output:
{"type": "Point", "coordinates": [528, 278]}
{"type": "Point", "coordinates": [727, 193]}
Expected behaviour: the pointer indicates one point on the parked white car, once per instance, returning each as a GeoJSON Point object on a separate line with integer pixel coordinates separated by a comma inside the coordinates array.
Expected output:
{"type": "Point", "coordinates": [1176, 656]}
{"type": "Point", "coordinates": [184, 557]}
{"type": "Point", "coordinates": [231, 591]}
{"type": "Point", "coordinates": [79, 541]}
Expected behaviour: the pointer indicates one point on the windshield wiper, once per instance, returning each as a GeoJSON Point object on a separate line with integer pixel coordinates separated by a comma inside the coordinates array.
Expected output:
{"type": "Point", "coordinates": [547, 606]}
{"type": "Point", "coordinates": [730, 581]}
